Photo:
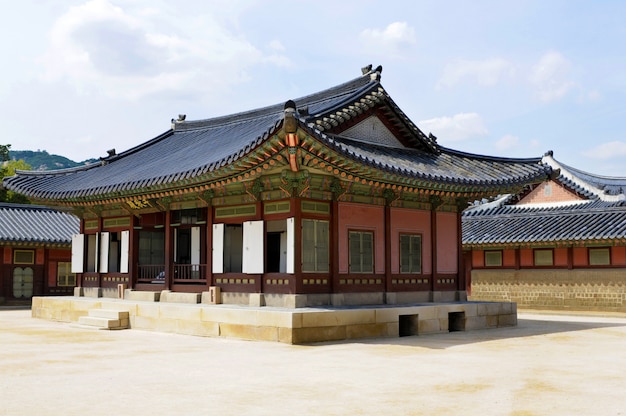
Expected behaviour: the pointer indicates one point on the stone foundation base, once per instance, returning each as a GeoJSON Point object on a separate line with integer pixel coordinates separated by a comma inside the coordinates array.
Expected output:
{"type": "Point", "coordinates": [289, 325]}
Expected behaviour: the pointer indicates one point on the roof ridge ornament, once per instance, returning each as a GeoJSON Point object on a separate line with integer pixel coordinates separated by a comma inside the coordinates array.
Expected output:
{"type": "Point", "coordinates": [373, 73]}
{"type": "Point", "coordinates": [290, 126]}
{"type": "Point", "coordinates": [181, 119]}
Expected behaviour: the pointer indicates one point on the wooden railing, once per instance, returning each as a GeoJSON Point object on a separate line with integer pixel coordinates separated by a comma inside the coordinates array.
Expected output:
{"type": "Point", "coordinates": [189, 272]}
{"type": "Point", "coordinates": [151, 273]}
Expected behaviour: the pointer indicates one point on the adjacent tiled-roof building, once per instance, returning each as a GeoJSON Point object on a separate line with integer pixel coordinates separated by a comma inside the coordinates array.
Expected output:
{"type": "Point", "coordinates": [333, 197]}
{"type": "Point", "coordinates": [574, 223]}
{"type": "Point", "coordinates": [36, 243]}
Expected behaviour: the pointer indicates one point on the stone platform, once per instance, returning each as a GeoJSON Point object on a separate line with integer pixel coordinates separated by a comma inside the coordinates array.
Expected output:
{"type": "Point", "coordinates": [293, 326]}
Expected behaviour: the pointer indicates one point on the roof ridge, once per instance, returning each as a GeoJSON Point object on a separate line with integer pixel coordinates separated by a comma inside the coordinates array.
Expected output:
{"type": "Point", "coordinates": [306, 100]}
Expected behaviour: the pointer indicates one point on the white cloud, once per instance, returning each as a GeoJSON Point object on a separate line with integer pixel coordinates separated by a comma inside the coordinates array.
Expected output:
{"type": "Point", "coordinates": [507, 142]}
{"type": "Point", "coordinates": [459, 127]}
{"type": "Point", "coordinates": [606, 151]}
{"type": "Point", "coordinates": [394, 38]}
{"type": "Point", "coordinates": [485, 73]}
{"type": "Point", "coordinates": [550, 77]}
{"type": "Point", "coordinates": [124, 52]}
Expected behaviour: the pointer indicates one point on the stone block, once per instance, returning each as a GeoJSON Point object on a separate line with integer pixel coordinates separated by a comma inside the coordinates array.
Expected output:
{"type": "Point", "coordinates": [366, 331]}
{"type": "Point", "coordinates": [309, 335]}
{"type": "Point", "coordinates": [393, 330]}
{"type": "Point", "coordinates": [213, 296]}
{"type": "Point", "coordinates": [429, 326]}
{"type": "Point", "coordinates": [232, 298]}
{"type": "Point", "coordinates": [275, 318]}
{"type": "Point", "coordinates": [475, 322]}
{"type": "Point", "coordinates": [337, 299]}
{"type": "Point", "coordinates": [78, 291]}
{"type": "Point", "coordinates": [391, 314]}
{"type": "Point", "coordinates": [179, 297]}
{"type": "Point", "coordinates": [491, 321]}
{"type": "Point", "coordinates": [148, 310]}
{"type": "Point", "coordinates": [340, 317]}
{"type": "Point", "coordinates": [108, 314]}
{"type": "Point", "coordinates": [507, 320]}
{"type": "Point", "coordinates": [145, 323]}
{"type": "Point", "coordinates": [248, 332]}
{"type": "Point", "coordinates": [199, 328]}
{"type": "Point", "coordinates": [182, 312]}
{"type": "Point", "coordinates": [285, 335]}
{"type": "Point", "coordinates": [142, 295]}
{"type": "Point", "coordinates": [230, 315]}
{"type": "Point", "coordinates": [320, 299]}
{"type": "Point", "coordinates": [256, 299]}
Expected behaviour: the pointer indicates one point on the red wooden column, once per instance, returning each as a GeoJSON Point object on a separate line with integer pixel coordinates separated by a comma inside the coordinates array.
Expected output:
{"type": "Point", "coordinates": [333, 245]}
{"type": "Point", "coordinates": [435, 201]}
{"type": "Point", "coordinates": [387, 248]}
{"type": "Point", "coordinates": [460, 280]}
{"type": "Point", "coordinates": [209, 246]}
{"type": "Point", "coordinates": [133, 252]}
{"type": "Point", "coordinates": [169, 251]}
{"type": "Point", "coordinates": [98, 247]}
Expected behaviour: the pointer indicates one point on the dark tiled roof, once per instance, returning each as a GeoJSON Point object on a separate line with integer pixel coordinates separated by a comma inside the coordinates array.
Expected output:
{"type": "Point", "coordinates": [446, 166]}
{"type": "Point", "coordinates": [36, 224]}
{"type": "Point", "coordinates": [589, 185]}
{"type": "Point", "coordinates": [533, 225]}
{"type": "Point", "coordinates": [194, 148]}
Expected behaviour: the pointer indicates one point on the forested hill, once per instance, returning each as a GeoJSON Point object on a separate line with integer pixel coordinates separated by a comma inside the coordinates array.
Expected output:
{"type": "Point", "coordinates": [42, 160]}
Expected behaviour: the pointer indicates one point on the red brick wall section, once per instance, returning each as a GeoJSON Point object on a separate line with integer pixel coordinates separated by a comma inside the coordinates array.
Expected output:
{"type": "Point", "coordinates": [580, 256]}
{"type": "Point", "coordinates": [508, 258]}
{"type": "Point", "coordinates": [560, 257]}
{"type": "Point", "coordinates": [478, 258]}
{"type": "Point", "coordinates": [549, 191]}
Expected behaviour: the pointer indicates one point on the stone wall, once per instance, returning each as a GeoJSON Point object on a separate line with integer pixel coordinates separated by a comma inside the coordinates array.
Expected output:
{"type": "Point", "coordinates": [576, 290]}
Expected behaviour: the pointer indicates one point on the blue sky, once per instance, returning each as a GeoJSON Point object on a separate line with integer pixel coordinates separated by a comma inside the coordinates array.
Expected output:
{"type": "Point", "coordinates": [511, 79]}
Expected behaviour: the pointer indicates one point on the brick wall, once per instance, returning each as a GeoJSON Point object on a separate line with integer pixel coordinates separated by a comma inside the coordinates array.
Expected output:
{"type": "Point", "coordinates": [575, 290]}
{"type": "Point", "coordinates": [550, 191]}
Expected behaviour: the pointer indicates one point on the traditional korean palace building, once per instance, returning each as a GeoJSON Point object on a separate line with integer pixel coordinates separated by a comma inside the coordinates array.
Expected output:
{"type": "Point", "coordinates": [36, 252]}
{"type": "Point", "coordinates": [335, 198]}
{"type": "Point", "coordinates": [559, 245]}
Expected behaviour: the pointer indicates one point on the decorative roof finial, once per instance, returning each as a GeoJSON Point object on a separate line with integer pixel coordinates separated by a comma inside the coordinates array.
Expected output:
{"type": "Point", "coordinates": [290, 124]}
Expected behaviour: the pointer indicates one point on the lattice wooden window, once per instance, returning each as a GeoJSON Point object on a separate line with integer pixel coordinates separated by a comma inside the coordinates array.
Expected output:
{"type": "Point", "coordinates": [361, 248]}
{"type": "Point", "coordinates": [23, 257]}
{"type": "Point", "coordinates": [65, 277]}
{"type": "Point", "coordinates": [544, 257]}
{"type": "Point", "coordinates": [599, 256]}
{"type": "Point", "coordinates": [493, 258]}
{"type": "Point", "coordinates": [315, 246]}
{"type": "Point", "coordinates": [410, 253]}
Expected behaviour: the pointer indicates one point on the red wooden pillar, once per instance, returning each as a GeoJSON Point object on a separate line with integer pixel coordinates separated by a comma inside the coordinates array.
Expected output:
{"type": "Point", "coordinates": [433, 246]}
{"type": "Point", "coordinates": [387, 248]}
{"type": "Point", "coordinates": [133, 251]}
{"type": "Point", "coordinates": [333, 246]}
{"type": "Point", "coordinates": [169, 251]}
{"type": "Point", "coordinates": [460, 285]}
{"type": "Point", "coordinates": [209, 246]}
{"type": "Point", "coordinates": [297, 243]}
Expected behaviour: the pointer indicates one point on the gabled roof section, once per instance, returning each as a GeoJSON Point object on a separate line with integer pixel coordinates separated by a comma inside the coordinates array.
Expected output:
{"type": "Point", "coordinates": [601, 216]}
{"type": "Point", "coordinates": [34, 224]}
{"type": "Point", "coordinates": [589, 185]}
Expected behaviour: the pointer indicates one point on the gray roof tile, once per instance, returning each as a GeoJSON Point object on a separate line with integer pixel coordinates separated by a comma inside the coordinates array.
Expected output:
{"type": "Point", "coordinates": [192, 148]}
{"type": "Point", "coordinates": [36, 224]}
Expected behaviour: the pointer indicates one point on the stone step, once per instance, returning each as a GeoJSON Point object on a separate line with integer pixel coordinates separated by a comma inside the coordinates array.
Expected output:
{"type": "Point", "coordinates": [108, 313]}
{"type": "Point", "coordinates": [103, 323]}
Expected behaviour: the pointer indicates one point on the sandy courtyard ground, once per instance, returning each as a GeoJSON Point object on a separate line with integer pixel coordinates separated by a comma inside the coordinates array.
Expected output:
{"type": "Point", "coordinates": [547, 365]}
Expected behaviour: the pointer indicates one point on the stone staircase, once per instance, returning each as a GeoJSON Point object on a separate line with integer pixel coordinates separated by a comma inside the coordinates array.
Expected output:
{"type": "Point", "coordinates": [104, 319]}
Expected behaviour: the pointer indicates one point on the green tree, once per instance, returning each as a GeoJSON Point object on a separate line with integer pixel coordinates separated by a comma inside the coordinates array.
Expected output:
{"type": "Point", "coordinates": [8, 169]}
